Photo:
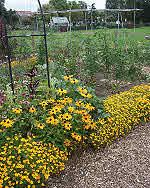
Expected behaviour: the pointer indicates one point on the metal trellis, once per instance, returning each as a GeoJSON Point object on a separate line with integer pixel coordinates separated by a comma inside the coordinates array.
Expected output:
{"type": "Point", "coordinates": [37, 35]}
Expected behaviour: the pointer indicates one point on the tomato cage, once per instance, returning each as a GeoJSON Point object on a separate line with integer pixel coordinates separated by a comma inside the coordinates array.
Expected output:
{"type": "Point", "coordinates": [4, 38]}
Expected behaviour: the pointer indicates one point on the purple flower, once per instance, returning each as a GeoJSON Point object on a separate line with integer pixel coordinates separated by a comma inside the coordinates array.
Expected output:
{"type": "Point", "coordinates": [26, 102]}
{"type": "Point", "coordinates": [2, 99]}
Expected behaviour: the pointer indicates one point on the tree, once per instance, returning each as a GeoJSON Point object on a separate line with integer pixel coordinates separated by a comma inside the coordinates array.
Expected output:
{"type": "Point", "coordinates": [3, 10]}
{"type": "Point", "coordinates": [144, 4]}
{"type": "Point", "coordinates": [58, 4]}
{"type": "Point", "coordinates": [10, 17]}
{"type": "Point", "coordinates": [82, 4]}
{"type": "Point", "coordinates": [54, 5]}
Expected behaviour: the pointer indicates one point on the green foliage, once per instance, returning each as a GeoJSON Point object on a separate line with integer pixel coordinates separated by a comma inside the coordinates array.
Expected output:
{"type": "Point", "coordinates": [41, 51]}
{"type": "Point", "coordinates": [9, 16]}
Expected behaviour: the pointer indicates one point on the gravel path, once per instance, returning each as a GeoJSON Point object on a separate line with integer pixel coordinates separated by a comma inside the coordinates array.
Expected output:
{"type": "Point", "coordinates": [123, 164]}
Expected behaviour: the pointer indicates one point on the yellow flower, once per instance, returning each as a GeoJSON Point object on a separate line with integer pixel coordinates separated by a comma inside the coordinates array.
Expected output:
{"type": "Point", "coordinates": [67, 125]}
{"type": "Point", "coordinates": [32, 109]}
{"type": "Point", "coordinates": [44, 104]}
{"type": "Point", "coordinates": [89, 107]}
{"type": "Point", "coordinates": [51, 100]}
{"type": "Point", "coordinates": [17, 110]}
{"type": "Point", "coordinates": [82, 90]}
{"type": "Point", "coordinates": [79, 103]}
{"type": "Point", "coordinates": [61, 91]}
{"type": "Point", "coordinates": [74, 81]}
{"type": "Point", "coordinates": [78, 138]}
{"type": "Point", "coordinates": [86, 118]}
{"type": "Point", "coordinates": [67, 116]}
{"type": "Point", "coordinates": [67, 77]}
{"type": "Point", "coordinates": [7, 123]}
{"type": "Point", "coordinates": [41, 126]}
{"type": "Point", "coordinates": [70, 109]}
{"type": "Point", "coordinates": [86, 95]}
{"type": "Point", "coordinates": [50, 120]}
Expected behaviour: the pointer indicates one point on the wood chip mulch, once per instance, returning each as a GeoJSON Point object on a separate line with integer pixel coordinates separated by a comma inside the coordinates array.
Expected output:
{"type": "Point", "coordinates": [125, 163]}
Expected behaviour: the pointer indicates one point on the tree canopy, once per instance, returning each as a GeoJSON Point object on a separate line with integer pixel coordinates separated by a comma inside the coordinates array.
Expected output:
{"type": "Point", "coordinates": [8, 16]}
{"type": "Point", "coordinates": [53, 5]}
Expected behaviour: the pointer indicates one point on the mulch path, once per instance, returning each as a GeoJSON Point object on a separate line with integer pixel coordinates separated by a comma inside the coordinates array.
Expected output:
{"type": "Point", "coordinates": [125, 163]}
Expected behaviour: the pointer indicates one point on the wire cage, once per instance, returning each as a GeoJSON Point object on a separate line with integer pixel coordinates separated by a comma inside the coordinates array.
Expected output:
{"type": "Point", "coordinates": [5, 42]}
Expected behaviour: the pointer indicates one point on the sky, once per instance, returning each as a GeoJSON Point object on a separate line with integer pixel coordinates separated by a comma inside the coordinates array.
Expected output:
{"type": "Point", "coordinates": [32, 5]}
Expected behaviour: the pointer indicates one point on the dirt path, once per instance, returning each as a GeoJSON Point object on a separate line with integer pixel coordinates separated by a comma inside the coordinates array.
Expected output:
{"type": "Point", "coordinates": [123, 164]}
{"type": "Point", "coordinates": [101, 91]}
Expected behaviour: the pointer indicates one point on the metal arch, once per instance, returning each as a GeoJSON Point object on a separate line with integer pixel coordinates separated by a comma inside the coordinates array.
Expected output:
{"type": "Point", "coordinates": [8, 49]}
{"type": "Point", "coordinates": [45, 40]}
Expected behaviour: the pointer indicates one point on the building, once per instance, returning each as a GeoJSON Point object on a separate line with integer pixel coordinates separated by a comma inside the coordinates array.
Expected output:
{"type": "Point", "coordinates": [24, 13]}
{"type": "Point", "coordinates": [61, 23]}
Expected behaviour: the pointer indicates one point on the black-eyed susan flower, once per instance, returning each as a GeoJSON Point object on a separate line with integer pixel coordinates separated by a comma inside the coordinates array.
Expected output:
{"type": "Point", "coordinates": [61, 91]}
{"type": "Point", "coordinates": [56, 121]}
{"type": "Point", "coordinates": [73, 135]}
{"type": "Point", "coordinates": [71, 109]}
{"type": "Point", "coordinates": [51, 100]}
{"type": "Point", "coordinates": [32, 109]}
{"type": "Point", "coordinates": [86, 118]}
{"type": "Point", "coordinates": [7, 123]}
{"type": "Point", "coordinates": [86, 95]}
{"type": "Point", "coordinates": [68, 77]}
{"type": "Point", "coordinates": [82, 90]}
{"type": "Point", "coordinates": [79, 103]}
{"type": "Point", "coordinates": [89, 107]}
{"type": "Point", "coordinates": [67, 116]}
{"type": "Point", "coordinates": [78, 138]}
{"type": "Point", "coordinates": [52, 111]}
{"type": "Point", "coordinates": [41, 126]}
{"type": "Point", "coordinates": [68, 100]}
{"type": "Point", "coordinates": [17, 110]}
{"type": "Point", "coordinates": [50, 120]}
{"type": "Point", "coordinates": [75, 81]}
{"type": "Point", "coordinates": [67, 125]}
{"type": "Point", "coordinates": [44, 104]}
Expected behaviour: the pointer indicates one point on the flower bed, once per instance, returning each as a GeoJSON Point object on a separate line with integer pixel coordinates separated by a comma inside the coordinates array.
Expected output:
{"type": "Point", "coordinates": [38, 133]}
{"type": "Point", "coordinates": [126, 110]}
